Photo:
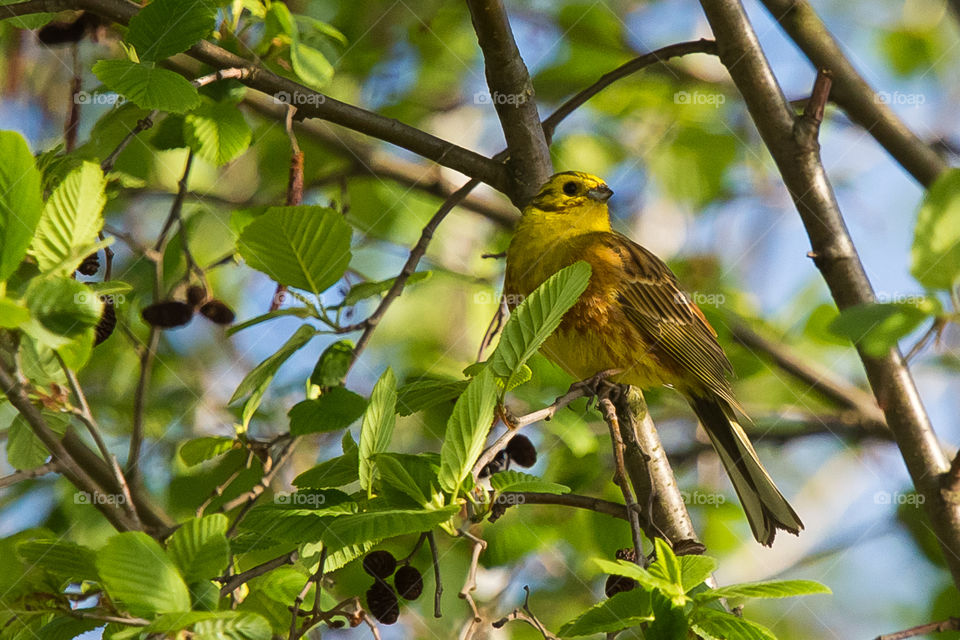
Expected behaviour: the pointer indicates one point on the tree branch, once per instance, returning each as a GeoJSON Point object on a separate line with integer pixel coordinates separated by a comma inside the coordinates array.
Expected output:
{"type": "Point", "coordinates": [651, 475]}
{"type": "Point", "coordinates": [517, 498]}
{"type": "Point", "coordinates": [511, 92]}
{"type": "Point", "coordinates": [819, 378]}
{"type": "Point", "coordinates": [852, 93]}
{"type": "Point", "coordinates": [310, 103]}
{"type": "Point", "coordinates": [73, 471]}
{"type": "Point", "coordinates": [793, 145]}
{"type": "Point", "coordinates": [950, 624]}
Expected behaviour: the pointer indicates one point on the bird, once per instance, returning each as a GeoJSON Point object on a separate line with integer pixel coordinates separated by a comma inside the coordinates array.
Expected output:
{"type": "Point", "coordinates": [634, 318]}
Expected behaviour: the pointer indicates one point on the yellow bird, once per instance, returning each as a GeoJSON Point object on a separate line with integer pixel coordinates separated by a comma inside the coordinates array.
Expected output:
{"type": "Point", "coordinates": [634, 317]}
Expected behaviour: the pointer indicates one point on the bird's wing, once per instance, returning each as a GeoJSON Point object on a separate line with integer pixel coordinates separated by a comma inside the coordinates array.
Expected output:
{"type": "Point", "coordinates": [668, 319]}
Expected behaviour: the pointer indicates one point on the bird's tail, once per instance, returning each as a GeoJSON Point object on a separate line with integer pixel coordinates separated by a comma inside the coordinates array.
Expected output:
{"type": "Point", "coordinates": [766, 508]}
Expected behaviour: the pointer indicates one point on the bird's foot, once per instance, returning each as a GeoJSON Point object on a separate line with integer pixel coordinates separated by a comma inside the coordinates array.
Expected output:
{"type": "Point", "coordinates": [597, 386]}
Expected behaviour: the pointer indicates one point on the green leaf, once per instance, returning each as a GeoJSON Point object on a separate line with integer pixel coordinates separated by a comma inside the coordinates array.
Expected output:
{"type": "Point", "coordinates": [413, 475]}
{"type": "Point", "coordinates": [139, 576]}
{"type": "Point", "coordinates": [20, 202]}
{"type": "Point", "coordinates": [377, 429]}
{"type": "Point", "coordinates": [217, 131]}
{"type": "Point", "coordinates": [425, 393]}
{"type": "Point", "coordinates": [333, 365]}
{"type": "Point", "coordinates": [195, 451]}
{"type": "Point", "coordinates": [71, 219]}
{"type": "Point", "coordinates": [366, 290]}
{"type": "Point", "coordinates": [24, 449]}
{"type": "Point", "coordinates": [695, 569]}
{"type": "Point", "coordinates": [935, 255]}
{"type": "Point", "coordinates": [66, 560]}
{"type": "Point", "coordinates": [877, 327]}
{"type": "Point", "coordinates": [13, 313]}
{"type": "Point", "coordinates": [622, 611]}
{"type": "Point", "coordinates": [335, 472]}
{"type": "Point", "coordinates": [666, 565]}
{"type": "Point", "coordinates": [380, 525]}
{"type": "Point", "coordinates": [719, 625]}
{"type": "Point", "coordinates": [147, 86]}
{"type": "Point", "coordinates": [242, 625]}
{"type": "Point", "coordinates": [534, 319]}
{"type": "Point", "coordinates": [199, 547]}
{"type": "Point", "coordinates": [310, 65]}
{"type": "Point", "coordinates": [771, 589]}
{"type": "Point", "coordinates": [263, 373]}
{"type": "Point", "coordinates": [518, 481]}
{"type": "Point", "coordinates": [467, 430]}
{"type": "Point", "coordinates": [336, 408]}
{"type": "Point", "coordinates": [307, 247]}
{"type": "Point", "coordinates": [166, 27]}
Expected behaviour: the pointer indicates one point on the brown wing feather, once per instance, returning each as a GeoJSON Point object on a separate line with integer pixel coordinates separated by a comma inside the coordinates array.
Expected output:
{"type": "Point", "coordinates": [676, 328]}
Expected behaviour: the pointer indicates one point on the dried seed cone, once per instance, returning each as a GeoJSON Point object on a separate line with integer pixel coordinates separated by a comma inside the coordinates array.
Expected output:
{"type": "Point", "coordinates": [618, 584]}
{"type": "Point", "coordinates": [409, 582]}
{"type": "Point", "coordinates": [90, 265]}
{"type": "Point", "coordinates": [522, 451]}
{"type": "Point", "coordinates": [107, 323]}
{"type": "Point", "coordinates": [382, 602]}
{"type": "Point", "coordinates": [380, 564]}
{"type": "Point", "coordinates": [196, 295]}
{"type": "Point", "coordinates": [167, 314]}
{"type": "Point", "coordinates": [218, 311]}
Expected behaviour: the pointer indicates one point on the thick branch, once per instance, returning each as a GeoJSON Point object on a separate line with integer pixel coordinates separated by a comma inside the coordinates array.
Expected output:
{"type": "Point", "coordinates": [852, 93]}
{"type": "Point", "coordinates": [511, 92]}
{"type": "Point", "coordinates": [793, 145]}
{"type": "Point", "coordinates": [651, 475]}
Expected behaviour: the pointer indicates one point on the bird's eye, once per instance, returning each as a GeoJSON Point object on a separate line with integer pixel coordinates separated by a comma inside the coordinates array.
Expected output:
{"type": "Point", "coordinates": [570, 188]}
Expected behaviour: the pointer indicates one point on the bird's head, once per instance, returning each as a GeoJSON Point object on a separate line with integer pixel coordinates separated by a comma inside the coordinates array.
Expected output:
{"type": "Point", "coordinates": [578, 198]}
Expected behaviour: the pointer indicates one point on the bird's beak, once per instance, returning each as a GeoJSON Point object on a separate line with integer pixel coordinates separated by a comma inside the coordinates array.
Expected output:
{"type": "Point", "coordinates": [601, 193]}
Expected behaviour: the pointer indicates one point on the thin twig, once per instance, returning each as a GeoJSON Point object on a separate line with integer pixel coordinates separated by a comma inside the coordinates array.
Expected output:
{"type": "Point", "coordinates": [950, 624]}
{"type": "Point", "coordinates": [234, 582]}
{"type": "Point", "coordinates": [86, 417]}
{"type": "Point", "coordinates": [576, 390]}
{"type": "Point", "coordinates": [517, 498]}
{"type": "Point", "coordinates": [153, 340]}
{"type": "Point", "coordinates": [438, 586]}
{"type": "Point", "coordinates": [822, 380]}
{"type": "Point", "coordinates": [470, 583]}
{"type": "Point", "coordinates": [248, 499]}
{"type": "Point", "coordinates": [525, 615]}
{"type": "Point", "coordinates": [620, 474]}
{"type": "Point", "coordinates": [142, 124]}
{"type": "Point", "coordinates": [27, 474]}
{"type": "Point", "coordinates": [409, 267]}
